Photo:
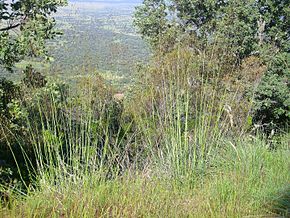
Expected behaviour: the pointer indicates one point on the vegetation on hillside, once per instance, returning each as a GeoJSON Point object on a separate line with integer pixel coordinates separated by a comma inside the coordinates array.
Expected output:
{"type": "Point", "coordinates": [203, 132]}
{"type": "Point", "coordinates": [24, 27]}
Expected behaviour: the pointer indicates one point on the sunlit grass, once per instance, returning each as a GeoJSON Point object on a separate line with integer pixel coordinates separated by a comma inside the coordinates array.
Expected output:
{"type": "Point", "coordinates": [247, 181]}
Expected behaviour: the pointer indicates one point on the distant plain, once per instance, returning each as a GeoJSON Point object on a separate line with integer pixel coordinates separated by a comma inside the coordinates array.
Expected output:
{"type": "Point", "coordinates": [98, 37]}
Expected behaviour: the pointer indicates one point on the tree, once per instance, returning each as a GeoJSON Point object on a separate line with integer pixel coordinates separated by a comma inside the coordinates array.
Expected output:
{"type": "Point", "coordinates": [243, 26]}
{"type": "Point", "coordinates": [151, 20]}
{"type": "Point", "coordinates": [25, 25]}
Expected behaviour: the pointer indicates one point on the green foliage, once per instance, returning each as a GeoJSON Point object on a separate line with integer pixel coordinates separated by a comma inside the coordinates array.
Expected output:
{"type": "Point", "coordinates": [272, 98]}
{"type": "Point", "coordinates": [238, 31]}
{"type": "Point", "coordinates": [182, 130]}
{"type": "Point", "coordinates": [19, 105]}
{"type": "Point", "coordinates": [151, 20]}
{"type": "Point", "coordinates": [12, 122]}
{"type": "Point", "coordinates": [242, 26]}
{"type": "Point", "coordinates": [24, 27]}
{"type": "Point", "coordinates": [33, 79]}
{"type": "Point", "coordinates": [11, 113]}
{"type": "Point", "coordinates": [275, 14]}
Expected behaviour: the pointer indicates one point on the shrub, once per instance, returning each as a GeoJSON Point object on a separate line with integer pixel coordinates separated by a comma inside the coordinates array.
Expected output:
{"type": "Point", "coordinates": [19, 115]}
{"type": "Point", "coordinates": [33, 79]}
{"type": "Point", "coordinates": [12, 125]}
{"type": "Point", "coordinates": [272, 98]}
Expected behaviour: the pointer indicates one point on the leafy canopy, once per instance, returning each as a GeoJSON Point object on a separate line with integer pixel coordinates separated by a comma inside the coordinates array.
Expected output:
{"type": "Point", "coordinates": [24, 27]}
{"type": "Point", "coordinates": [242, 25]}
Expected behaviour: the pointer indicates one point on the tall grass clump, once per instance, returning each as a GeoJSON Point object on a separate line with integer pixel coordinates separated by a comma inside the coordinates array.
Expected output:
{"type": "Point", "coordinates": [184, 110]}
{"type": "Point", "coordinates": [73, 138]}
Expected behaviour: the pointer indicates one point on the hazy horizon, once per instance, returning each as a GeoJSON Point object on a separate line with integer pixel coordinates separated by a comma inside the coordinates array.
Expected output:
{"type": "Point", "coordinates": [108, 1]}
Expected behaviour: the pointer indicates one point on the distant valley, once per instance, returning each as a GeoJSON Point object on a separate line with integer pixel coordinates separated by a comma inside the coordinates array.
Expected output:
{"type": "Point", "coordinates": [98, 36]}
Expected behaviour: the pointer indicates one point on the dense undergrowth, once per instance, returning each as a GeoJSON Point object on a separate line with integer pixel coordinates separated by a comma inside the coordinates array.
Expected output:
{"type": "Point", "coordinates": [181, 143]}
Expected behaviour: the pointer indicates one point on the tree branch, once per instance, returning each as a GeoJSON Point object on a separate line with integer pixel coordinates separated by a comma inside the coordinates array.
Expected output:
{"type": "Point", "coordinates": [13, 26]}
{"type": "Point", "coordinates": [10, 27]}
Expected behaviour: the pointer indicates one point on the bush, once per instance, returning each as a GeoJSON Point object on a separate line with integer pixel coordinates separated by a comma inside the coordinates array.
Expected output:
{"type": "Point", "coordinates": [12, 125]}
{"type": "Point", "coordinates": [20, 114]}
{"type": "Point", "coordinates": [272, 98]}
{"type": "Point", "coordinates": [12, 115]}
